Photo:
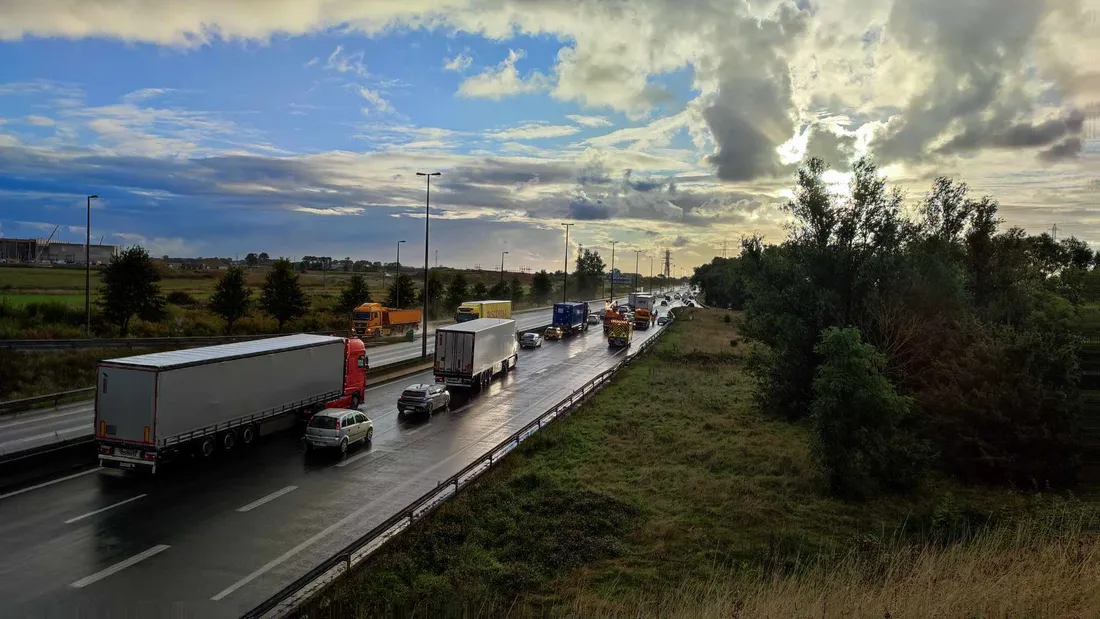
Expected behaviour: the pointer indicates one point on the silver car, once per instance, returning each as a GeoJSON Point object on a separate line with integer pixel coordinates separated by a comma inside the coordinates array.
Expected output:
{"type": "Point", "coordinates": [530, 340]}
{"type": "Point", "coordinates": [423, 398]}
{"type": "Point", "coordinates": [338, 428]}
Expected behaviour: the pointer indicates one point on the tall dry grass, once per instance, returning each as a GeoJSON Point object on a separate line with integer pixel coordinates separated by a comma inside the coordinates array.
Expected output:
{"type": "Point", "coordinates": [1043, 567]}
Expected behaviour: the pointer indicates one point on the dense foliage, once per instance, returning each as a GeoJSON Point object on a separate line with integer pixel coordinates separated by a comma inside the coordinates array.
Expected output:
{"type": "Point", "coordinates": [974, 326]}
{"type": "Point", "coordinates": [130, 288]}
{"type": "Point", "coordinates": [281, 296]}
{"type": "Point", "coordinates": [232, 299]}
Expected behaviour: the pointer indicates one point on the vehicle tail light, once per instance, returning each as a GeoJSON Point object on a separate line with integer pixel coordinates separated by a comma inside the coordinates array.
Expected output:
{"type": "Point", "coordinates": [149, 455]}
{"type": "Point", "coordinates": [337, 425]}
{"type": "Point", "coordinates": [105, 450]}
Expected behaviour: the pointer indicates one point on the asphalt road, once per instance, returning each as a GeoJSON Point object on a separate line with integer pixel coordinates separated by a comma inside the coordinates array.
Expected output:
{"type": "Point", "coordinates": [213, 540]}
{"type": "Point", "coordinates": [50, 426]}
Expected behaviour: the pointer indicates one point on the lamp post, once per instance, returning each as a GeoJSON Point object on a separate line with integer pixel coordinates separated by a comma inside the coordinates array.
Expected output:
{"type": "Point", "coordinates": [427, 215]}
{"type": "Point", "coordinates": [651, 272]}
{"type": "Point", "coordinates": [88, 270]}
{"type": "Point", "coordinates": [637, 255]}
{"type": "Point", "coordinates": [565, 272]}
{"type": "Point", "coordinates": [397, 278]}
{"type": "Point", "coordinates": [502, 254]}
{"type": "Point", "coordinates": [613, 270]}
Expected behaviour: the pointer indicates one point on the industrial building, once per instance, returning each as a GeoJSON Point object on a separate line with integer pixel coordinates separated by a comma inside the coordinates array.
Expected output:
{"type": "Point", "coordinates": [43, 250]}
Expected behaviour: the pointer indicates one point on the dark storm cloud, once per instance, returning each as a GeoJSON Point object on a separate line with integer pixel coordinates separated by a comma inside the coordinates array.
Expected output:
{"type": "Point", "coordinates": [1069, 148]}
{"type": "Point", "coordinates": [584, 209]}
{"type": "Point", "coordinates": [977, 47]}
{"type": "Point", "coordinates": [751, 114]}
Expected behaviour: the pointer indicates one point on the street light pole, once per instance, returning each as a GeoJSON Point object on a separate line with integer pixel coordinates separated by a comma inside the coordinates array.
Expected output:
{"type": "Point", "coordinates": [427, 215]}
{"type": "Point", "coordinates": [397, 278]}
{"type": "Point", "coordinates": [88, 270]}
{"type": "Point", "coordinates": [502, 254]}
{"type": "Point", "coordinates": [613, 270]}
{"type": "Point", "coordinates": [565, 284]}
{"type": "Point", "coordinates": [637, 256]}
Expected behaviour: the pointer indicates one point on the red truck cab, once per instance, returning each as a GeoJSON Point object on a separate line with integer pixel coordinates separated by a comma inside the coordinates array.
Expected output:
{"type": "Point", "coordinates": [355, 375]}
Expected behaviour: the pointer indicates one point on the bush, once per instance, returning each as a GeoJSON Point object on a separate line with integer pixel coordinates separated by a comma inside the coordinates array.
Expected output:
{"type": "Point", "coordinates": [181, 298]}
{"type": "Point", "coordinates": [860, 419]}
{"type": "Point", "coordinates": [726, 319]}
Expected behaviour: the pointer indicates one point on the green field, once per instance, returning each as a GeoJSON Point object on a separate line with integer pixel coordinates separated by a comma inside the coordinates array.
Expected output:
{"type": "Point", "coordinates": [667, 483]}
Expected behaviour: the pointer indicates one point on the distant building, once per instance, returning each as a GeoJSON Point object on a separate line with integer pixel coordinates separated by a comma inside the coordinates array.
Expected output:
{"type": "Point", "coordinates": [28, 250]}
{"type": "Point", "coordinates": [618, 277]}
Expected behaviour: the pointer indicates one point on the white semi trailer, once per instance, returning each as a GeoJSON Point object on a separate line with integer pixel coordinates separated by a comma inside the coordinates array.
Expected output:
{"type": "Point", "coordinates": [469, 354]}
{"type": "Point", "coordinates": [151, 408]}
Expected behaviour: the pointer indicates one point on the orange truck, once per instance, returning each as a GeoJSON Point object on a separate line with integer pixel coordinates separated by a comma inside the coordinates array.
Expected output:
{"type": "Point", "coordinates": [373, 320]}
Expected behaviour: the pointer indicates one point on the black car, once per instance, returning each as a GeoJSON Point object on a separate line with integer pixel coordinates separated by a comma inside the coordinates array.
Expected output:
{"type": "Point", "coordinates": [421, 398]}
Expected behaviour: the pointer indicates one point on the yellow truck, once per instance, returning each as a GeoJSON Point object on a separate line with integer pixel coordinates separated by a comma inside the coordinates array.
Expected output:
{"type": "Point", "coordinates": [472, 310]}
{"type": "Point", "coordinates": [619, 333]}
{"type": "Point", "coordinates": [373, 320]}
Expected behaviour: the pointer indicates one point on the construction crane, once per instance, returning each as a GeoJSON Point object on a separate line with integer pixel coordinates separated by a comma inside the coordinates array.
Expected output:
{"type": "Point", "coordinates": [38, 256]}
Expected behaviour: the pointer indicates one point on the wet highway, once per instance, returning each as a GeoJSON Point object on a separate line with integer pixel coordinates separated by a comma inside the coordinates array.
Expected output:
{"type": "Point", "coordinates": [41, 428]}
{"type": "Point", "coordinates": [213, 540]}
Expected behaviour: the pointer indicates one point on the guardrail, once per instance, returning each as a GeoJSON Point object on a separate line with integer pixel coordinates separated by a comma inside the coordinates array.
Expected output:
{"type": "Point", "coordinates": [15, 406]}
{"type": "Point", "coordinates": [292, 595]}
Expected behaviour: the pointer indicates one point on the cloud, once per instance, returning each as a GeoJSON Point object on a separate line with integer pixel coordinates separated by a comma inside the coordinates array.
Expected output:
{"type": "Point", "coordinates": [373, 97]}
{"type": "Point", "coordinates": [680, 241]}
{"type": "Point", "coordinates": [336, 210]}
{"type": "Point", "coordinates": [342, 62]}
{"type": "Point", "coordinates": [589, 121]}
{"type": "Point", "coordinates": [502, 81]}
{"type": "Point", "coordinates": [39, 121]}
{"type": "Point", "coordinates": [1069, 148]}
{"type": "Point", "coordinates": [146, 93]}
{"type": "Point", "coordinates": [458, 63]}
{"type": "Point", "coordinates": [532, 131]}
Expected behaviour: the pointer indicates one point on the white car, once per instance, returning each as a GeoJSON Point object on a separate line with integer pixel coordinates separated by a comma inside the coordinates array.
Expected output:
{"type": "Point", "coordinates": [593, 319]}
{"type": "Point", "coordinates": [530, 340]}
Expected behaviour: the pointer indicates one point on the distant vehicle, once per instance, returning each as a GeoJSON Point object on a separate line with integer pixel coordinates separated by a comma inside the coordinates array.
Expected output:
{"type": "Point", "coordinates": [471, 353]}
{"type": "Point", "coordinates": [421, 398]}
{"type": "Point", "coordinates": [530, 340]}
{"type": "Point", "coordinates": [662, 320]}
{"type": "Point", "coordinates": [593, 319]}
{"type": "Point", "coordinates": [338, 428]}
{"type": "Point", "coordinates": [472, 310]}
{"type": "Point", "coordinates": [152, 408]}
{"type": "Point", "coordinates": [620, 333]}
{"type": "Point", "coordinates": [553, 332]}
{"type": "Point", "coordinates": [643, 310]}
{"type": "Point", "coordinates": [571, 317]}
{"type": "Point", "coordinates": [373, 320]}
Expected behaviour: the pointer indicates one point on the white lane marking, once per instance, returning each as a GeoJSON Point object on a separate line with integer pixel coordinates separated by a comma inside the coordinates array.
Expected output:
{"type": "Point", "coordinates": [118, 567]}
{"type": "Point", "coordinates": [357, 457]}
{"type": "Point", "coordinates": [539, 371]}
{"type": "Point", "coordinates": [339, 524]}
{"type": "Point", "coordinates": [267, 499]}
{"type": "Point", "coordinates": [99, 511]}
{"type": "Point", "coordinates": [49, 483]}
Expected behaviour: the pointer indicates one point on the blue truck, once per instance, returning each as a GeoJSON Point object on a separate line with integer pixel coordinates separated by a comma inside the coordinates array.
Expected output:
{"type": "Point", "coordinates": [571, 316]}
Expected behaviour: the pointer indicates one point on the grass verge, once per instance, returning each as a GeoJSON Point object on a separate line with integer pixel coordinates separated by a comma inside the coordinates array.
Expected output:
{"type": "Point", "coordinates": [669, 488]}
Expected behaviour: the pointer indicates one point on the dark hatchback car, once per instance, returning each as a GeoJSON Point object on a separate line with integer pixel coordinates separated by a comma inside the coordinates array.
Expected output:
{"type": "Point", "coordinates": [421, 398]}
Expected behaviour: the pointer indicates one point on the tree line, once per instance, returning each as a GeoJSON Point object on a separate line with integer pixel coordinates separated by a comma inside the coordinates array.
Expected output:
{"type": "Point", "coordinates": [943, 342]}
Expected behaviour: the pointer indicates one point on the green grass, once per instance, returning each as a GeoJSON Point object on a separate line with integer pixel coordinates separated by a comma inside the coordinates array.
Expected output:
{"type": "Point", "coordinates": [27, 374]}
{"type": "Point", "coordinates": [669, 476]}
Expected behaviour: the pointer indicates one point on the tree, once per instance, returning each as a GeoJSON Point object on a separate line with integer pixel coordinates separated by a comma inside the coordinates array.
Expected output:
{"type": "Point", "coordinates": [541, 287]}
{"type": "Point", "coordinates": [352, 295]}
{"type": "Point", "coordinates": [515, 290]}
{"type": "Point", "coordinates": [479, 292]}
{"type": "Point", "coordinates": [251, 259]}
{"type": "Point", "coordinates": [499, 291]}
{"type": "Point", "coordinates": [281, 296]}
{"type": "Point", "coordinates": [347, 264]}
{"type": "Point", "coordinates": [264, 257]}
{"type": "Point", "coordinates": [589, 273]}
{"type": "Point", "coordinates": [859, 420]}
{"type": "Point", "coordinates": [232, 298]}
{"type": "Point", "coordinates": [404, 284]}
{"type": "Point", "coordinates": [457, 291]}
{"type": "Point", "coordinates": [130, 289]}
{"type": "Point", "coordinates": [436, 289]}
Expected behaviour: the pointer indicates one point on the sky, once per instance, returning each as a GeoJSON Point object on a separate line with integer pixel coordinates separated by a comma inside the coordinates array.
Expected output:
{"type": "Point", "coordinates": [296, 127]}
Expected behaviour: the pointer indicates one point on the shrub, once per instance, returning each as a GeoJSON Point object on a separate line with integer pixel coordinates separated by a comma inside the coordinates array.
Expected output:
{"type": "Point", "coordinates": [860, 420]}
{"type": "Point", "coordinates": [726, 319]}
{"type": "Point", "coordinates": [181, 298]}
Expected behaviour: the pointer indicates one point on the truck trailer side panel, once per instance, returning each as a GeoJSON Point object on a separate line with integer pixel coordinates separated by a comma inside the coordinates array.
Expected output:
{"type": "Point", "coordinates": [126, 404]}
{"type": "Point", "coordinates": [195, 397]}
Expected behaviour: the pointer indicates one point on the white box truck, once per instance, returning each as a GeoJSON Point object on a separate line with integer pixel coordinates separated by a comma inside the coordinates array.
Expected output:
{"type": "Point", "coordinates": [151, 408]}
{"type": "Point", "coordinates": [469, 354]}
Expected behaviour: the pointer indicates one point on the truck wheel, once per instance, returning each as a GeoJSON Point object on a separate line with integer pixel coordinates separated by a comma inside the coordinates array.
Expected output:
{"type": "Point", "coordinates": [248, 434]}
{"type": "Point", "coordinates": [344, 445]}
{"type": "Point", "coordinates": [355, 401]}
{"type": "Point", "coordinates": [229, 440]}
{"type": "Point", "coordinates": [207, 447]}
